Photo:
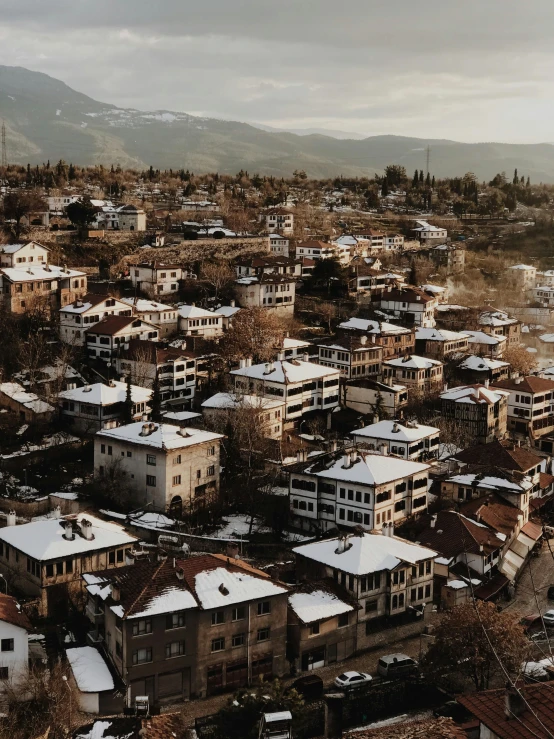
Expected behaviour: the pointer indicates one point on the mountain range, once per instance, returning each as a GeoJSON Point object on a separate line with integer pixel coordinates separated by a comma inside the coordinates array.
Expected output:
{"type": "Point", "coordinates": [46, 119]}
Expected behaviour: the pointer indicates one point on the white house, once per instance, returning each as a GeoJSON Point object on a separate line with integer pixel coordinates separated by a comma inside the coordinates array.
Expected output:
{"type": "Point", "coordinates": [279, 219]}
{"type": "Point", "coordinates": [77, 316]}
{"type": "Point", "coordinates": [113, 334]}
{"type": "Point", "coordinates": [486, 344]}
{"type": "Point", "coordinates": [131, 218]}
{"type": "Point", "coordinates": [304, 386]}
{"type": "Point", "coordinates": [271, 291]}
{"type": "Point", "coordinates": [169, 467]}
{"type": "Point", "coordinates": [356, 488]}
{"type": "Point", "coordinates": [365, 395]}
{"type": "Point", "coordinates": [269, 412]}
{"type": "Point", "coordinates": [411, 304]}
{"type": "Point", "coordinates": [14, 255]}
{"type": "Point", "coordinates": [58, 203]}
{"type": "Point", "coordinates": [316, 250]}
{"type": "Point", "coordinates": [14, 643]}
{"type": "Point", "coordinates": [199, 322]}
{"type": "Point", "coordinates": [430, 235]}
{"type": "Point", "coordinates": [91, 677]}
{"type": "Point", "coordinates": [279, 244]}
{"type": "Point", "coordinates": [419, 373]}
{"type": "Point", "coordinates": [161, 315]}
{"type": "Point", "coordinates": [409, 440]}
{"type": "Point", "coordinates": [93, 407]}
{"type": "Point", "coordinates": [156, 278]}
{"type": "Point", "coordinates": [523, 275]}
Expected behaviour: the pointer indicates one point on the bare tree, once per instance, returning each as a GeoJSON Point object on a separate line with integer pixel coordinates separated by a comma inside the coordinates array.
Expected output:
{"type": "Point", "coordinates": [254, 332]}
{"type": "Point", "coordinates": [218, 275]}
{"type": "Point", "coordinates": [520, 359]}
{"type": "Point", "coordinates": [328, 312]}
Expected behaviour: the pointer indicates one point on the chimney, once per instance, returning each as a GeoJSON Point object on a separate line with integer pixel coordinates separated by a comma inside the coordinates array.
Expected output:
{"type": "Point", "coordinates": [11, 518]}
{"type": "Point", "coordinates": [242, 363]}
{"type": "Point", "coordinates": [68, 532]}
{"type": "Point", "coordinates": [281, 356]}
{"type": "Point", "coordinates": [145, 429]}
{"type": "Point", "coordinates": [87, 389]}
{"type": "Point", "coordinates": [486, 383]}
{"type": "Point", "coordinates": [183, 432]}
{"type": "Point", "coordinates": [180, 573]}
{"type": "Point", "coordinates": [86, 529]}
{"type": "Point", "coordinates": [383, 450]}
{"type": "Point", "coordinates": [391, 529]}
{"type": "Point", "coordinates": [301, 455]}
{"type": "Point", "coordinates": [116, 592]}
{"type": "Point", "coordinates": [341, 544]}
{"type": "Point", "coordinates": [395, 428]}
{"type": "Point", "coordinates": [223, 590]}
{"type": "Point", "coordinates": [232, 550]}
{"type": "Point", "coordinates": [57, 512]}
{"type": "Point", "coordinates": [363, 340]}
{"type": "Point", "coordinates": [232, 303]}
{"type": "Point", "coordinates": [346, 461]}
{"type": "Point", "coordinates": [433, 522]}
{"type": "Point", "coordinates": [306, 357]}
{"type": "Point", "coordinates": [514, 703]}
{"type": "Point", "coordinates": [144, 417]}
{"type": "Point", "coordinates": [384, 530]}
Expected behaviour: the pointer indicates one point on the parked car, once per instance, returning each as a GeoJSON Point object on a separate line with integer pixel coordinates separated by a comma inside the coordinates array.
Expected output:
{"type": "Point", "coordinates": [453, 710]}
{"type": "Point", "coordinates": [310, 687]}
{"type": "Point", "coordinates": [397, 665]}
{"type": "Point", "coordinates": [548, 618]}
{"type": "Point", "coordinates": [351, 679]}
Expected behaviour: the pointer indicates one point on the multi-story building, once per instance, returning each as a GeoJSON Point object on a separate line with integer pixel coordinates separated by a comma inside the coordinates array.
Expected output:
{"type": "Point", "coordinates": [482, 410]}
{"type": "Point", "coordinates": [396, 341]}
{"type": "Point", "coordinates": [27, 406]}
{"type": "Point", "coordinates": [391, 579]}
{"type": "Point", "coordinates": [523, 276]}
{"type": "Point", "coordinates": [58, 203]}
{"type": "Point", "coordinates": [100, 406]}
{"type": "Point", "coordinates": [430, 235]}
{"type": "Point", "coordinates": [410, 304]}
{"type": "Point", "coordinates": [156, 278]}
{"type": "Point", "coordinates": [381, 399]}
{"type": "Point", "coordinates": [169, 467]}
{"type": "Point", "coordinates": [46, 558]}
{"type": "Point", "coordinates": [271, 291]}
{"type": "Point", "coordinates": [369, 281]}
{"type": "Point", "coordinates": [165, 317]}
{"type": "Point", "coordinates": [304, 386]}
{"type": "Point", "coordinates": [40, 287]}
{"type": "Point", "coordinates": [316, 250]}
{"type": "Point", "coordinates": [268, 265]}
{"type": "Point", "coordinates": [280, 220]}
{"type": "Point", "coordinates": [497, 323]}
{"type": "Point", "coordinates": [480, 370]}
{"type": "Point", "coordinates": [439, 343]}
{"type": "Point", "coordinates": [450, 257]}
{"type": "Point", "coordinates": [31, 252]}
{"type": "Point", "coordinates": [77, 316]}
{"type": "Point", "coordinates": [417, 373]}
{"type": "Point", "coordinates": [279, 245]}
{"type": "Point", "coordinates": [176, 369]}
{"type": "Point", "coordinates": [194, 321]}
{"type": "Point", "coordinates": [530, 405]}
{"type": "Point", "coordinates": [356, 488]}
{"type": "Point", "coordinates": [14, 646]}
{"type": "Point", "coordinates": [180, 629]}
{"type": "Point", "coordinates": [267, 414]}
{"type": "Point", "coordinates": [485, 344]}
{"type": "Point", "coordinates": [409, 440]}
{"type": "Point", "coordinates": [104, 340]}
{"type": "Point", "coordinates": [352, 355]}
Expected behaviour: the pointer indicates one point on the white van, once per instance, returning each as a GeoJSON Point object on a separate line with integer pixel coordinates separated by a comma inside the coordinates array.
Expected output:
{"type": "Point", "coordinates": [397, 665]}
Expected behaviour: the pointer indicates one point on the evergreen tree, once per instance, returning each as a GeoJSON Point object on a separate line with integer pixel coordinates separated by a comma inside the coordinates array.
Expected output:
{"type": "Point", "coordinates": [516, 178]}
{"type": "Point", "coordinates": [421, 175]}
{"type": "Point", "coordinates": [522, 180]}
{"type": "Point", "coordinates": [415, 180]}
{"type": "Point", "coordinates": [428, 180]}
{"type": "Point", "coordinates": [433, 182]}
{"type": "Point", "coordinates": [128, 404]}
{"type": "Point", "coordinates": [156, 400]}
{"type": "Point", "coordinates": [528, 182]}
{"type": "Point", "coordinates": [385, 188]}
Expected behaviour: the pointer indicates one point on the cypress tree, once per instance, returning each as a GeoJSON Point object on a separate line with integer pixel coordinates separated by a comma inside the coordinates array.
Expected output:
{"type": "Point", "coordinates": [156, 400]}
{"type": "Point", "coordinates": [128, 404]}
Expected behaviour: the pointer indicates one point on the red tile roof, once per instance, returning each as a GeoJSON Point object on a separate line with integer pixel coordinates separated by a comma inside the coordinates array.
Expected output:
{"type": "Point", "coordinates": [526, 385]}
{"type": "Point", "coordinates": [427, 728]}
{"type": "Point", "coordinates": [489, 708]}
{"type": "Point", "coordinates": [504, 454]}
{"type": "Point", "coordinates": [409, 294]}
{"type": "Point", "coordinates": [493, 511]}
{"type": "Point", "coordinates": [113, 324]}
{"type": "Point", "coordinates": [454, 534]}
{"type": "Point", "coordinates": [11, 613]}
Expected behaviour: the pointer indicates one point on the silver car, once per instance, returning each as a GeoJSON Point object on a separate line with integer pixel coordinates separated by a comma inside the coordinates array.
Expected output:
{"type": "Point", "coordinates": [352, 679]}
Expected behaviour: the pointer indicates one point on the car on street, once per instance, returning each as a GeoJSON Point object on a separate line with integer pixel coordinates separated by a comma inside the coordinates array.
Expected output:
{"type": "Point", "coordinates": [351, 679]}
{"type": "Point", "coordinates": [397, 665]}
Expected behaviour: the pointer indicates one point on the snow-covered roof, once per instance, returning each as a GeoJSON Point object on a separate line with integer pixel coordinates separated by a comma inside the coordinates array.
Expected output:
{"type": "Point", "coordinates": [396, 431]}
{"type": "Point", "coordinates": [147, 306]}
{"type": "Point", "coordinates": [522, 266]}
{"type": "Point", "coordinates": [44, 540]}
{"type": "Point", "coordinates": [91, 673]}
{"type": "Point", "coordinates": [180, 415]}
{"type": "Point", "coordinates": [491, 482]}
{"type": "Point", "coordinates": [289, 343]}
{"type": "Point", "coordinates": [285, 371]}
{"type": "Point", "coordinates": [368, 468]}
{"type": "Point", "coordinates": [162, 435]}
{"type": "Point", "coordinates": [232, 400]}
{"type": "Point", "coordinates": [102, 394]}
{"type": "Point", "coordinates": [413, 362]}
{"type": "Point", "coordinates": [424, 226]}
{"type": "Point", "coordinates": [474, 394]}
{"type": "Point", "coordinates": [438, 289]}
{"type": "Point", "coordinates": [317, 605]}
{"type": "Point", "coordinates": [44, 272]}
{"type": "Point", "coordinates": [496, 318]}
{"type": "Point", "coordinates": [227, 311]}
{"type": "Point", "coordinates": [438, 334]}
{"type": "Point", "coordinates": [193, 311]}
{"type": "Point", "coordinates": [547, 338]}
{"type": "Point", "coordinates": [445, 307]}
{"type": "Point", "coordinates": [480, 364]}
{"type": "Point", "coordinates": [373, 327]}
{"type": "Point", "coordinates": [171, 599]}
{"type": "Point", "coordinates": [480, 337]}
{"type": "Point", "coordinates": [17, 393]}
{"type": "Point", "coordinates": [13, 248]}
{"type": "Point", "coordinates": [240, 586]}
{"type": "Point", "coordinates": [365, 554]}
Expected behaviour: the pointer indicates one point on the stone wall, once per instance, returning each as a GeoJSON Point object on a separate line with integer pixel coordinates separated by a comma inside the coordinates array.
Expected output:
{"type": "Point", "coordinates": [192, 251]}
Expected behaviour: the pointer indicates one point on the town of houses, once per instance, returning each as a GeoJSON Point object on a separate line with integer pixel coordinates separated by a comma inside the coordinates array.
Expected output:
{"type": "Point", "coordinates": [403, 441]}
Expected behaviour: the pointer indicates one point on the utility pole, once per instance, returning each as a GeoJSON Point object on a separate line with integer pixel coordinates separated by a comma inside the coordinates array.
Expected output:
{"type": "Point", "coordinates": [428, 156]}
{"type": "Point", "coordinates": [4, 149]}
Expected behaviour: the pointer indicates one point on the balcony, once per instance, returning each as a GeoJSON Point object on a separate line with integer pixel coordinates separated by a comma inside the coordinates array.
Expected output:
{"type": "Point", "coordinates": [94, 613]}
{"type": "Point", "coordinates": [94, 638]}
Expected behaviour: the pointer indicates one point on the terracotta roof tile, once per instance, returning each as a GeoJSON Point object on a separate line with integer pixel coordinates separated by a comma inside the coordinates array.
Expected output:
{"type": "Point", "coordinates": [454, 534]}
{"type": "Point", "coordinates": [501, 454]}
{"type": "Point", "coordinates": [112, 324]}
{"type": "Point", "coordinates": [428, 728]}
{"type": "Point", "coordinates": [11, 613]}
{"type": "Point", "coordinates": [529, 384]}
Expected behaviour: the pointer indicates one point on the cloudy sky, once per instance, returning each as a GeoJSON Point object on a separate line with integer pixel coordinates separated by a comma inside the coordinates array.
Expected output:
{"type": "Point", "coordinates": [477, 70]}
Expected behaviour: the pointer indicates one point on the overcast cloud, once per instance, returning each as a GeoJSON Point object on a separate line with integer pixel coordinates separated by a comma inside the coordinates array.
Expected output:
{"type": "Point", "coordinates": [471, 71]}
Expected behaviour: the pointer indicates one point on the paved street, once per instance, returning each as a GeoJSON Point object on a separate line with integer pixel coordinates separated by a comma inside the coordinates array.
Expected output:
{"type": "Point", "coordinates": [539, 571]}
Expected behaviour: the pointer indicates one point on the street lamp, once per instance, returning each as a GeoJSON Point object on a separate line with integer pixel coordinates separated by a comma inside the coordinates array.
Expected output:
{"type": "Point", "coordinates": [66, 683]}
{"type": "Point", "coordinates": [300, 431]}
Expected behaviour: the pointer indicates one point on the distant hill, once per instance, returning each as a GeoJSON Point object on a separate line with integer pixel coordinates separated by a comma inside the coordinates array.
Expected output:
{"type": "Point", "coordinates": [46, 119]}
